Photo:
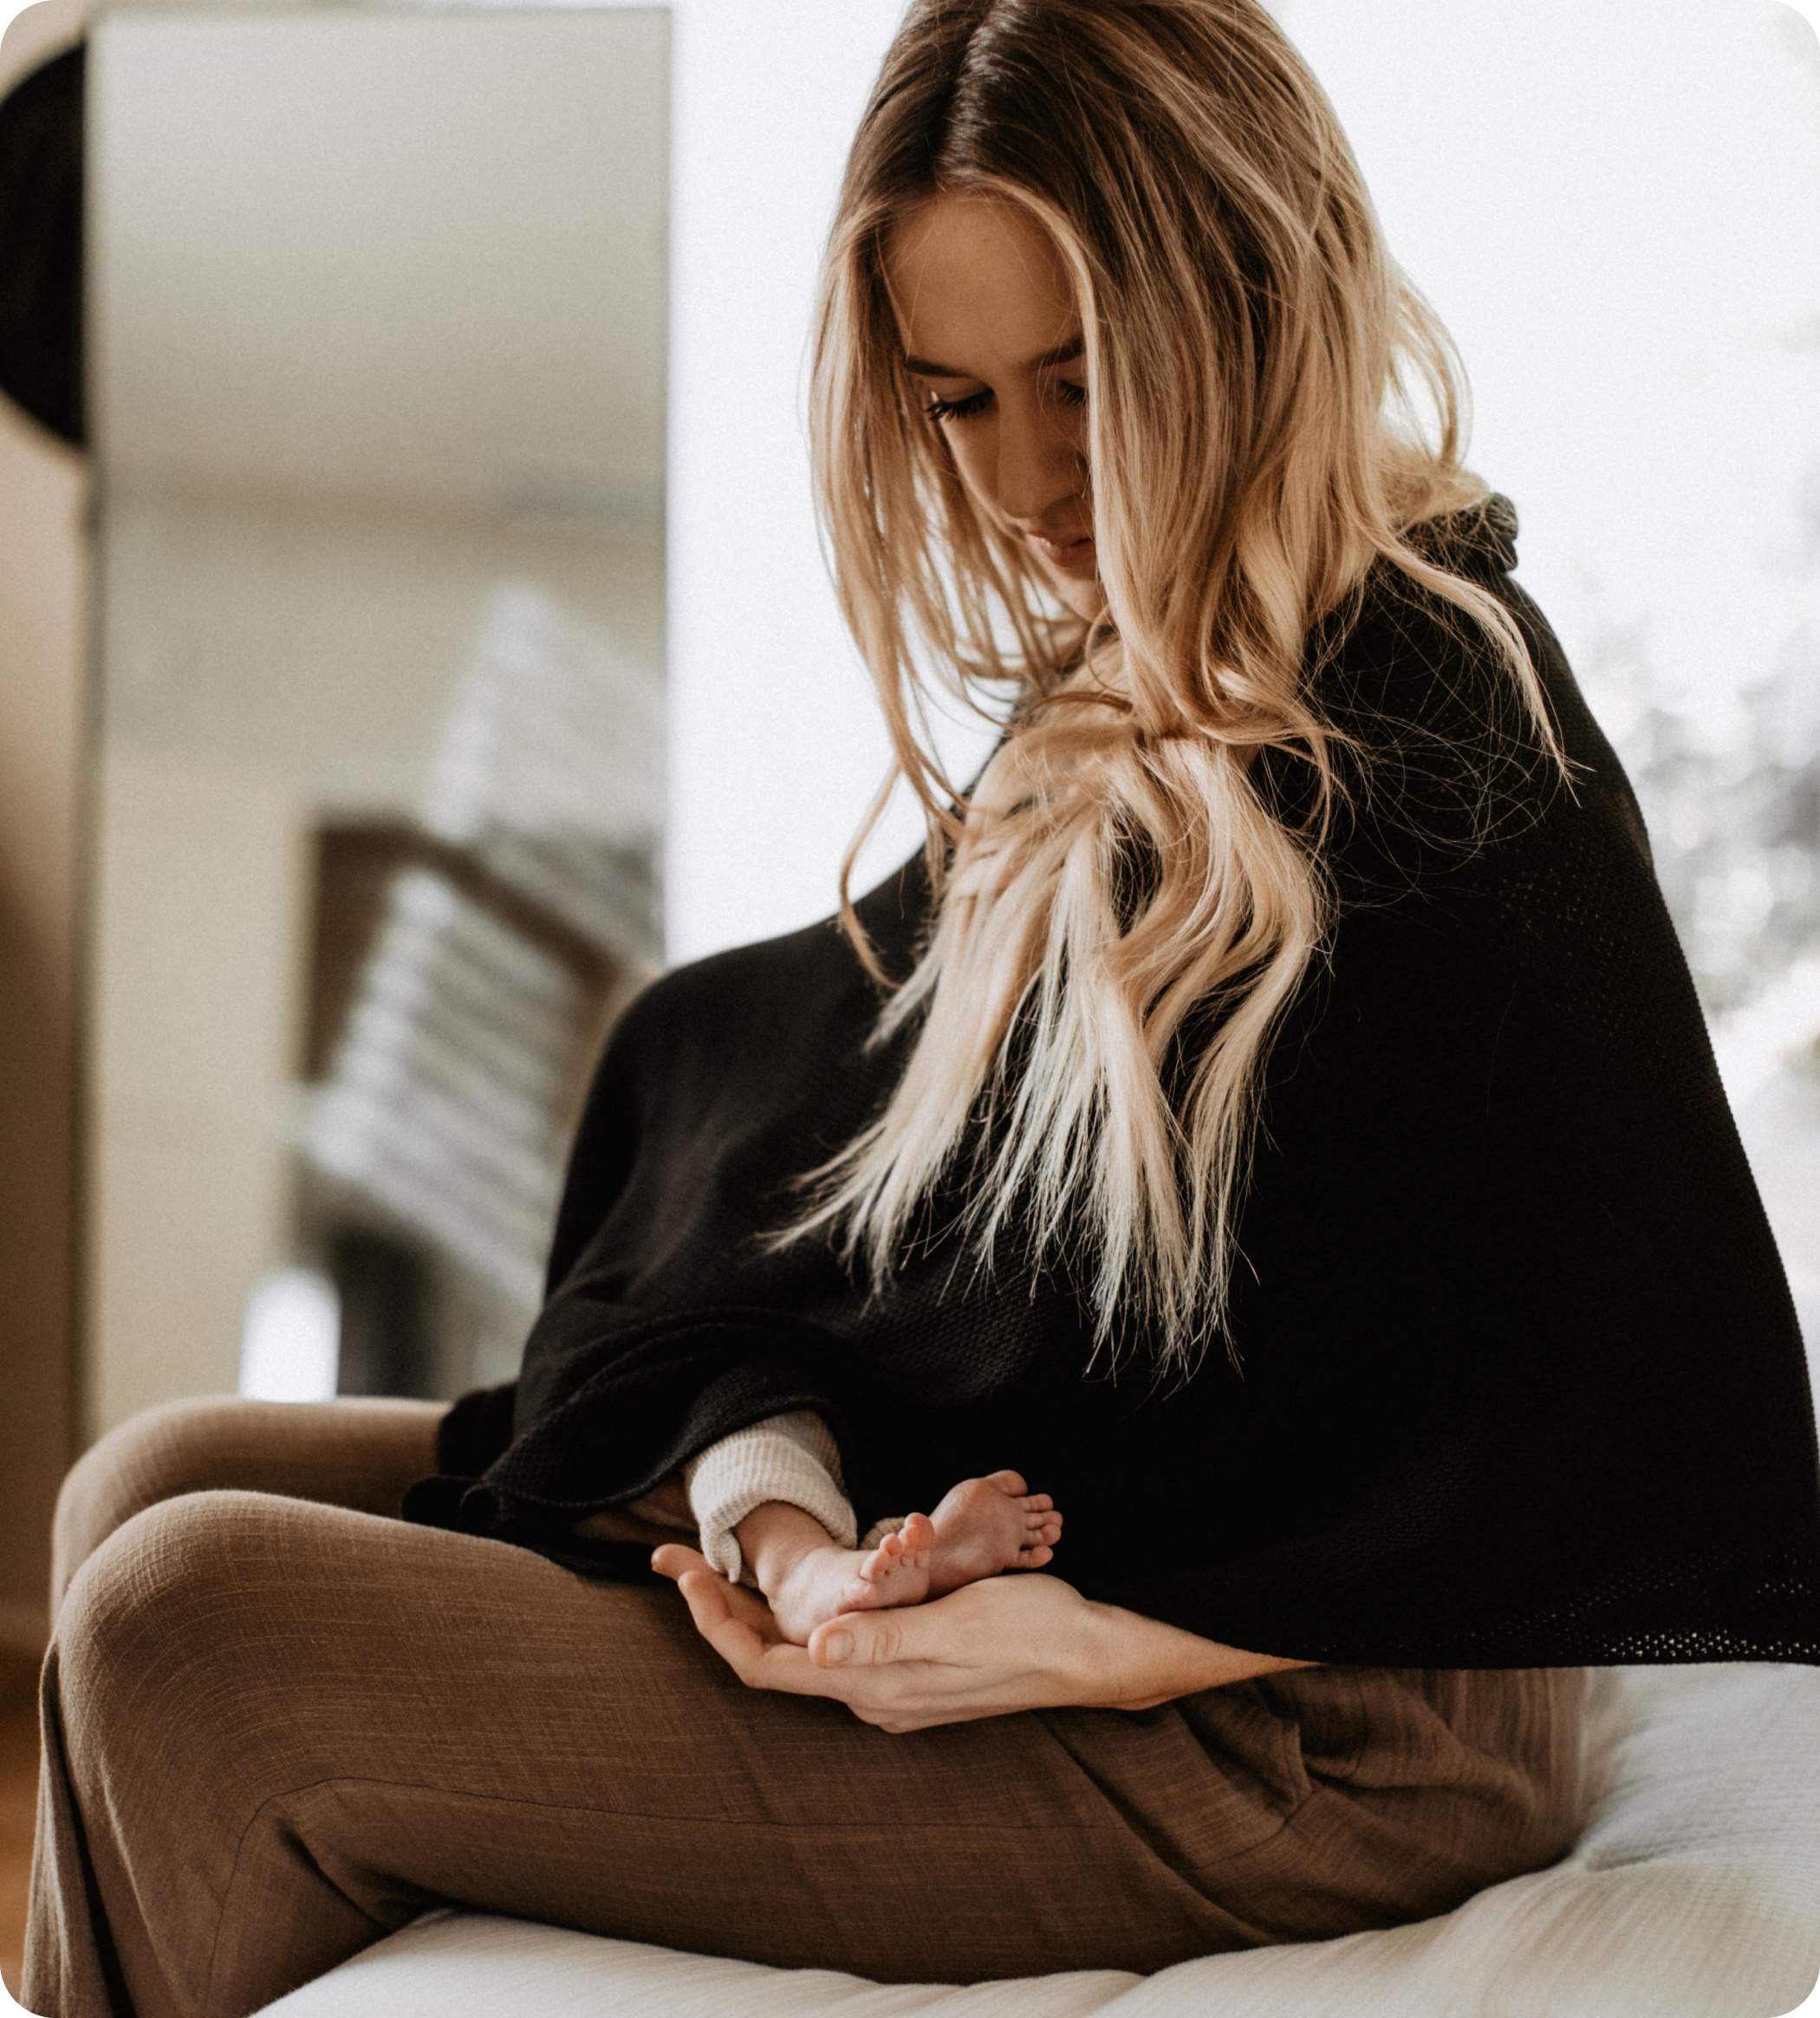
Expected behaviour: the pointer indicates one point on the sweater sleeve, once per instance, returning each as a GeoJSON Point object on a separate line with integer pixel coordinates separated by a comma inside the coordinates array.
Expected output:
{"type": "Point", "coordinates": [790, 1458]}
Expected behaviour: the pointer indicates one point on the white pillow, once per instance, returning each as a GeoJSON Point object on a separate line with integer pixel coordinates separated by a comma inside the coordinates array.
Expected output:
{"type": "Point", "coordinates": [1694, 1892]}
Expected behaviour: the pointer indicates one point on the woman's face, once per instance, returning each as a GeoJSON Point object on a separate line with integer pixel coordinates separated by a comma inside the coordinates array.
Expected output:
{"type": "Point", "coordinates": [991, 334]}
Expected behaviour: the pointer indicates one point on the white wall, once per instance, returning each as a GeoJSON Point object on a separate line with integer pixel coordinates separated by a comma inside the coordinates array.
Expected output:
{"type": "Point", "coordinates": [1615, 209]}
{"type": "Point", "coordinates": [265, 669]}
{"type": "Point", "coordinates": [775, 744]}
{"type": "Point", "coordinates": [434, 271]}
{"type": "Point", "coordinates": [1615, 203]}
{"type": "Point", "coordinates": [377, 314]}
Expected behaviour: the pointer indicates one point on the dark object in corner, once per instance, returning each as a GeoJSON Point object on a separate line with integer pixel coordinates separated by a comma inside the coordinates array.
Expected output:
{"type": "Point", "coordinates": [41, 245]}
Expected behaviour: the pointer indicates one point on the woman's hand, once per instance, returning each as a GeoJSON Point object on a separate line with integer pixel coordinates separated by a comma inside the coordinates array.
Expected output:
{"type": "Point", "coordinates": [1006, 1643]}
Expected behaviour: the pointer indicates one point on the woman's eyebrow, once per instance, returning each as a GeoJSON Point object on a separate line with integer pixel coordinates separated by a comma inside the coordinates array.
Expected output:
{"type": "Point", "coordinates": [1063, 353]}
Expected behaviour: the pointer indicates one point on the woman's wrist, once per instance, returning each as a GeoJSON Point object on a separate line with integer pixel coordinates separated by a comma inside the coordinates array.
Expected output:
{"type": "Point", "coordinates": [1128, 1661]}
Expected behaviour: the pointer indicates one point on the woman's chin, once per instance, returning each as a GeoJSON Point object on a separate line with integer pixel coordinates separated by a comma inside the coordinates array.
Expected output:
{"type": "Point", "coordinates": [1079, 591]}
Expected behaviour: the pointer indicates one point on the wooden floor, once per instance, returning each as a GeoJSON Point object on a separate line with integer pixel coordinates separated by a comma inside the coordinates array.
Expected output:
{"type": "Point", "coordinates": [18, 1795]}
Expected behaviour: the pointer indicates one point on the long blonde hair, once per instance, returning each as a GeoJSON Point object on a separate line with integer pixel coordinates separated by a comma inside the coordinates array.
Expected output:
{"type": "Point", "coordinates": [1123, 914]}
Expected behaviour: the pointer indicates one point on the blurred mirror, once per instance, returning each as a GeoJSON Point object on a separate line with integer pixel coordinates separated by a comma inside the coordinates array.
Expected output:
{"type": "Point", "coordinates": [375, 341]}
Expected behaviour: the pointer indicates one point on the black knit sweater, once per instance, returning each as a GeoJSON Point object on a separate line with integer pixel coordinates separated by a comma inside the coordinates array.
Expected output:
{"type": "Point", "coordinates": [1514, 1377]}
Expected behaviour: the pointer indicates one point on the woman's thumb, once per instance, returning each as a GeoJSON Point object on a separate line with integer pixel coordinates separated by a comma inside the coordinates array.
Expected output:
{"type": "Point", "coordinates": [856, 1639]}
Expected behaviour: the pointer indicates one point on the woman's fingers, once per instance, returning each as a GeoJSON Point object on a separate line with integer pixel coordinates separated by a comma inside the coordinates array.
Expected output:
{"type": "Point", "coordinates": [719, 1607]}
{"type": "Point", "coordinates": [676, 1559]}
{"type": "Point", "coordinates": [715, 1605]}
{"type": "Point", "coordinates": [707, 1597]}
{"type": "Point", "coordinates": [738, 1641]}
{"type": "Point", "coordinates": [739, 1625]}
{"type": "Point", "coordinates": [712, 1597]}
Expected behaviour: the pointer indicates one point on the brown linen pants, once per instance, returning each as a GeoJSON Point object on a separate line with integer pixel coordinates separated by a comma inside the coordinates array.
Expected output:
{"type": "Point", "coordinates": [279, 1724]}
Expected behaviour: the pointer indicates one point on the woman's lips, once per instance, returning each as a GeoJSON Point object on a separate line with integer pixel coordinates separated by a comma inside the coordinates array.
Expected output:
{"type": "Point", "coordinates": [1072, 557]}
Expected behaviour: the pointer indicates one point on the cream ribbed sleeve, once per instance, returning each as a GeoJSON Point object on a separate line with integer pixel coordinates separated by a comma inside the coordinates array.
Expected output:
{"type": "Point", "coordinates": [792, 1458]}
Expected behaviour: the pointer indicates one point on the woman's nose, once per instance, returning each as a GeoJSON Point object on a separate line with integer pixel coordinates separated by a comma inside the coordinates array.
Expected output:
{"type": "Point", "coordinates": [1040, 466]}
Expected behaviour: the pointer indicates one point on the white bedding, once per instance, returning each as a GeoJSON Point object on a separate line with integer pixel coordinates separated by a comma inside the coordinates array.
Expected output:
{"type": "Point", "coordinates": [1694, 1892]}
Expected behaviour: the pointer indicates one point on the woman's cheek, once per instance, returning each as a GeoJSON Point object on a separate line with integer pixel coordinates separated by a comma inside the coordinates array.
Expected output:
{"type": "Point", "coordinates": [975, 459]}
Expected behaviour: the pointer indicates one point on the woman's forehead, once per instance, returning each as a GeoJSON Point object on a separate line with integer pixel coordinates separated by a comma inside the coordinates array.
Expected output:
{"type": "Point", "coordinates": [976, 280]}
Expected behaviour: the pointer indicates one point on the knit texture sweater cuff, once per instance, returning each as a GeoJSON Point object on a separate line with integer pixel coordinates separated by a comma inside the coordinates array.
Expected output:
{"type": "Point", "coordinates": [792, 1458]}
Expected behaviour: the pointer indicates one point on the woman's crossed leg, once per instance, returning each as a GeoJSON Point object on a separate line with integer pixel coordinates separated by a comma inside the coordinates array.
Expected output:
{"type": "Point", "coordinates": [276, 1730]}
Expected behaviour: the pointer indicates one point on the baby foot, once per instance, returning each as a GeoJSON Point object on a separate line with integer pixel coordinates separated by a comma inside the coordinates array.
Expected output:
{"type": "Point", "coordinates": [825, 1582]}
{"type": "Point", "coordinates": [897, 1571]}
{"type": "Point", "coordinates": [988, 1525]}
{"type": "Point", "coordinates": [981, 1528]}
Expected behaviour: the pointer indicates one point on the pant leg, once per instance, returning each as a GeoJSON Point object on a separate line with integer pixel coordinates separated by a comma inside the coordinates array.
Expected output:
{"type": "Point", "coordinates": [350, 1453]}
{"type": "Point", "coordinates": [275, 1731]}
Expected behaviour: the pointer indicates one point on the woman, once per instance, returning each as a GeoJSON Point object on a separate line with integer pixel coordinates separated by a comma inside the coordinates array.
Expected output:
{"type": "Point", "coordinates": [1272, 1118]}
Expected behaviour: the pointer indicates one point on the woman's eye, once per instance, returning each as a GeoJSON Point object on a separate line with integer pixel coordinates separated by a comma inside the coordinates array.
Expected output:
{"type": "Point", "coordinates": [1066, 394]}
{"type": "Point", "coordinates": [940, 409]}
